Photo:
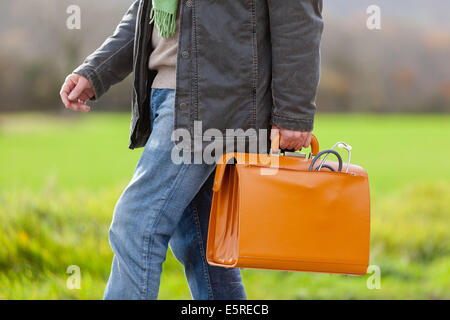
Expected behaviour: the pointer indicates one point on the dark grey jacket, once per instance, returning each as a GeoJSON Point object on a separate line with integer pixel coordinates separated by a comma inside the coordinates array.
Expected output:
{"type": "Point", "coordinates": [241, 64]}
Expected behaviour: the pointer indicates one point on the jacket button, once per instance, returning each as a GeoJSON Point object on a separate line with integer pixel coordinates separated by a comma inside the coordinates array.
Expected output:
{"type": "Point", "coordinates": [185, 54]}
{"type": "Point", "coordinates": [189, 3]}
{"type": "Point", "coordinates": [183, 106]}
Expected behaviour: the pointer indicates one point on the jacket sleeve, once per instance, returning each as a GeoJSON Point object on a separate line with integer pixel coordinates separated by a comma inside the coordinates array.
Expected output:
{"type": "Point", "coordinates": [113, 60]}
{"type": "Point", "coordinates": [296, 31]}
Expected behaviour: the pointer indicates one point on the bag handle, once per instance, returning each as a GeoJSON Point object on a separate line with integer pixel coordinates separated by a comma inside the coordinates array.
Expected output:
{"type": "Point", "coordinates": [275, 145]}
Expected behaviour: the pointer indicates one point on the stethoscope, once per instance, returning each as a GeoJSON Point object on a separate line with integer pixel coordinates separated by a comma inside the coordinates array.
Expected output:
{"type": "Point", "coordinates": [339, 144]}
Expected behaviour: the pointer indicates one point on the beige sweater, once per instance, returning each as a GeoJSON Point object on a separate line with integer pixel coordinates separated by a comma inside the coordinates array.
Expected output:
{"type": "Point", "coordinates": [164, 57]}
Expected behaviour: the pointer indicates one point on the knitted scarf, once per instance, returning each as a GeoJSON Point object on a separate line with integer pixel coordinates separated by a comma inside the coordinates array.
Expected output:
{"type": "Point", "coordinates": [164, 13]}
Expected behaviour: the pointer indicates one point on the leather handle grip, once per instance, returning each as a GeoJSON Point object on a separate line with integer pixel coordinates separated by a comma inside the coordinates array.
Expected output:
{"type": "Point", "coordinates": [275, 145]}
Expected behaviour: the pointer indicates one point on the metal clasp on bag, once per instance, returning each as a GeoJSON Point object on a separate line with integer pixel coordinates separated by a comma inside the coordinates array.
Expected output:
{"type": "Point", "coordinates": [297, 153]}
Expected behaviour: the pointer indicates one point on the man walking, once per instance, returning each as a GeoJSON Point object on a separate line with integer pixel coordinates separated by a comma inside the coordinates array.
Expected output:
{"type": "Point", "coordinates": [241, 64]}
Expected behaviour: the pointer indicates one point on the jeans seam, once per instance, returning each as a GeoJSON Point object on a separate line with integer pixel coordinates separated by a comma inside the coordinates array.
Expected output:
{"type": "Point", "coordinates": [148, 240]}
{"type": "Point", "coordinates": [201, 244]}
{"type": "Point", "coordinates": [152, 112]}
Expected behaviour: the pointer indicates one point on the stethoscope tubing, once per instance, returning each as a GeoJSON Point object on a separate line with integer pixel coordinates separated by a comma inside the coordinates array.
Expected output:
{"type": "Point", "coordinates": [327, 151]}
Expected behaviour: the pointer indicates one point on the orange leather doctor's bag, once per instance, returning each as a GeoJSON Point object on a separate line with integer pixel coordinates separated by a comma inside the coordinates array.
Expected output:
{"type": "Point", "coordinates": [290, 212]}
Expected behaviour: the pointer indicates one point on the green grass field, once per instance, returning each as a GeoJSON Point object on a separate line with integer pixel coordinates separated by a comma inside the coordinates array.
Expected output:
{"type": "Point", "coordinates": [61, 176]}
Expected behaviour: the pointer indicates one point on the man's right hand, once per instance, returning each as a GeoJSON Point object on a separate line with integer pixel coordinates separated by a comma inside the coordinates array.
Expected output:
{"type": "Point", "coordinates": [75, 91]}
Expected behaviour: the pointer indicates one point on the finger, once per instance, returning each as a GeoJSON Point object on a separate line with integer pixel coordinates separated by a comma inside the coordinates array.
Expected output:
{"type": "Point", "coordinates": [291, 139]}
{"type": "Point", "coordinates": [293, 144]}
{"type": "Point", "coordinates": [68, 86]}
{"type": "Point", "coordinates": [65, 90]}
{"type": "Point", "coordinates": [295, 140]}
{"type": "Point", "coordinates": [64, 98]}
{"type": "Point", "coordinates": [82, 106]}
{"type": "Point", "coordinates": [84, 96]}
{"type": "Point", "coordinates": [300, 142]}
{"type": "Point", "coordinates": [283, 142]}
{"type": "Point", "coordinates": [73, 106]}
{"type": "Point", "coordinates": [76, 92]}
{"type": "Point", "coordinates": [307, 141]}
{"type": "Point", "coordinates": [287, 143]}
{"type": "Point", "coordinates": [296, 145]}
{"type": "Point", "coordinates": [79, 106]}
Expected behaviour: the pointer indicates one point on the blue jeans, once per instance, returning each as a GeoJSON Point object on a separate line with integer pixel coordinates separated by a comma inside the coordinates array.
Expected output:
{"type": "Point", "coordinates": [165, 204]}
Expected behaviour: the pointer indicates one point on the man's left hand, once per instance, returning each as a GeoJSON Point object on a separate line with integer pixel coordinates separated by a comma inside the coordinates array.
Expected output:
{"type": "Point", "coordinates": [291, 139]}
